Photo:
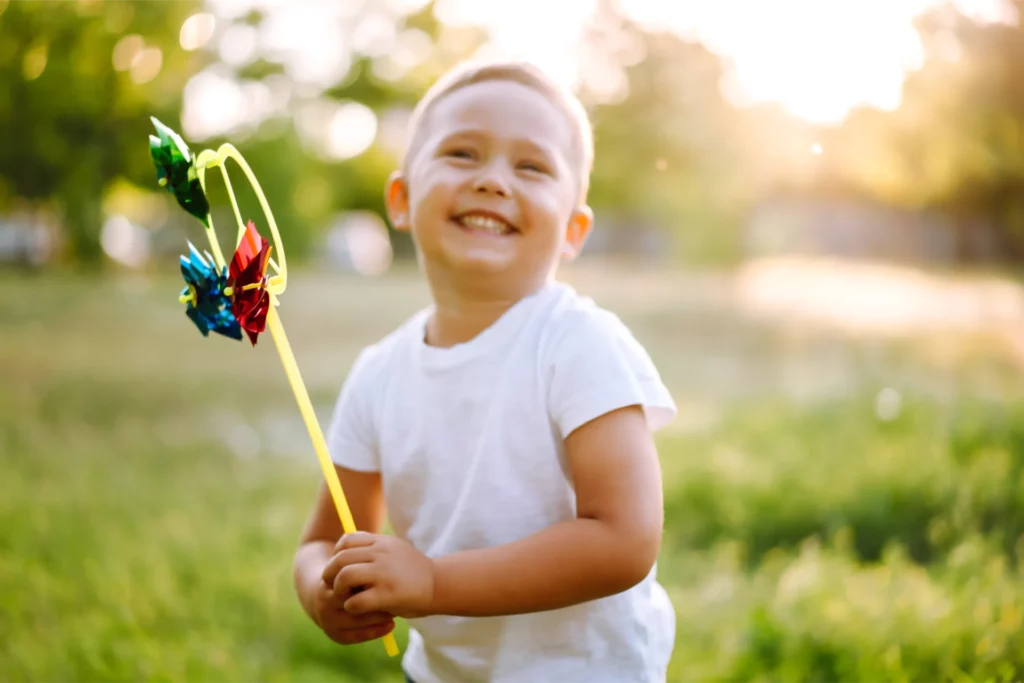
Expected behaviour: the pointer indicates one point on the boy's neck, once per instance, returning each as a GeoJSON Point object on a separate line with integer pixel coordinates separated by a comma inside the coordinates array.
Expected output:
{"type": "Point", "coordinates": [461, 313]}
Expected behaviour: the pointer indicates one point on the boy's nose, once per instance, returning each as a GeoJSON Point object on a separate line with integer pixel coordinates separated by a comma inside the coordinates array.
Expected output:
{"type": "Point", "coordinates": [491, 180]}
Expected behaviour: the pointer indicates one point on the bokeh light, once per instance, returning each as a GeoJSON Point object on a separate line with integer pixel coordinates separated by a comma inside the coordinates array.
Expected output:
{"type": "Point", "coordinates": [197, 31]}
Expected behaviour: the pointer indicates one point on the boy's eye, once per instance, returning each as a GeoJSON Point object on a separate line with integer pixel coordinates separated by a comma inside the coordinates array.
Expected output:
{"type": "Point", "coordinates": [459, 153]}
{"type": "Point", "coordinates": [533, 166]}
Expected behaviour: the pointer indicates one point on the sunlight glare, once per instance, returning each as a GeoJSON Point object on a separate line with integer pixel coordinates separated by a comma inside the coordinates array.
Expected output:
{"type": "Point", "coordinates": [124, 241]}
{"type": "Point", "coordinates": [988, 11]}
{"type": "Point", "coordinates": [196, 31]}
{"type": "Point", "coordinates": [308, 38]}
{"type": "Point", "coordinates": [818, 59]}
{"type": "Point", "coordinates": [214, 104]}
{"type": "Point", "coordinates": [374, 36]}
{"type": "Point", "coordinates": [403, 7]}
{"type": "Point", "coordinates": [147, 65]}
{"type": "Point", "coordinates": [515, 33]}
{"type": "Point", "coordinates": [126, 50]}
{"type": "Point", "coordinates": [334, 130]}
{"type": "Point", "coordinates": [237, 45]}
{"type": "Point", "coordinates": [351, 131]}
{"type": "Point", "coordinates": [412, 47]}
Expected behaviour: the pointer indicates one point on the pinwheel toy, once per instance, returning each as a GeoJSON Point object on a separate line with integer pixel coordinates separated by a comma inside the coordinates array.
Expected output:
{"type": "Point", "coordinates": [241, 296]}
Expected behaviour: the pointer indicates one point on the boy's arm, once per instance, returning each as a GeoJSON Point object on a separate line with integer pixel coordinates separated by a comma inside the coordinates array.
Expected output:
{"type": "Point", "coordinates": [365, 495]}
{"type": "Point", "coordinates": [611, 545]}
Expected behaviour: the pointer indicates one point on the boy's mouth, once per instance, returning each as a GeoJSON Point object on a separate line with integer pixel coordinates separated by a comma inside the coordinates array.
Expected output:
{"type": "Point", "coordinates": [487, 222]}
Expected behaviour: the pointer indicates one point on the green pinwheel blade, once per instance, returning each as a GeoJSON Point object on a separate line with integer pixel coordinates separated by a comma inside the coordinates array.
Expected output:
{"type": "Point", "coordinates": [175, 170]}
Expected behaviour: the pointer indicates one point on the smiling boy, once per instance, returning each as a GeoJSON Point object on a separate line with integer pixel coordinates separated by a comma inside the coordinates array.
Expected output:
{"type": "Point", "coordinates": [505, 431]}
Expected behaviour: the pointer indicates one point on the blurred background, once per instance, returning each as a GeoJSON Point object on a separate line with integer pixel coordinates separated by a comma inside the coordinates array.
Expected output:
{"type": "Point", "coordinates": [811, 213]}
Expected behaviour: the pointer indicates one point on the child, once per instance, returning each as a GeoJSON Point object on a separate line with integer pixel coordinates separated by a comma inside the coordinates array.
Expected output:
{"type": "Point", "coordinates": [505, 430]}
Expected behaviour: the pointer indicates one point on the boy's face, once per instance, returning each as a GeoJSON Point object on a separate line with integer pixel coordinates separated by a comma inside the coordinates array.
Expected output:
{"type": "Point", "coordinates": [492, 189]}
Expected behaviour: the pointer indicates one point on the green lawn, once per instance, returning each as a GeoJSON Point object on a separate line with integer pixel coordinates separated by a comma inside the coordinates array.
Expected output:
{"type": "Point", "coordinates": [153, 483]}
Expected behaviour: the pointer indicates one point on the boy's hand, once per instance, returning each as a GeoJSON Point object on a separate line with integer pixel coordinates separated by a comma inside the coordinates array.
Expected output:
{"type": "Point", "coordinates": [345, 628]}
{"type": "Point", "coordinates": [385, 573]}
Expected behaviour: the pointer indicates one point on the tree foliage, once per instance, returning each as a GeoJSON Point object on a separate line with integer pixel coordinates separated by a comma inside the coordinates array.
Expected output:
{"type": "Point", "coordinates": [82, 78]}
{"type": "Point", "coordinates": [72, 120]}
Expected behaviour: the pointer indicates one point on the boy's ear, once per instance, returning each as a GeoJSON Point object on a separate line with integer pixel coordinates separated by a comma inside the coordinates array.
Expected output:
{"type": "Point", "coordinates": [577, 231]}
{"type": "Point", "coordinates": [396, 200]}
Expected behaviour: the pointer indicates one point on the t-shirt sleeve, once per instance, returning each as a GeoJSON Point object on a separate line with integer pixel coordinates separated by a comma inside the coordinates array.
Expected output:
{"type": "Point", "coordinates": [599, 366]}
{"type": "Point", "coordinates": [351, 437]}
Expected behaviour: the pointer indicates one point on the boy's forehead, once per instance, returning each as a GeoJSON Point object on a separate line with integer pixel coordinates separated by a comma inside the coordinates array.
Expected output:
{"type": "Point", "coordinates": [503, 109]}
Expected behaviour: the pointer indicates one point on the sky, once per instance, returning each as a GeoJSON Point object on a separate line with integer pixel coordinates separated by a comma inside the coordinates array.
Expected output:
{"type": "Point", "coordinates": [818, 58]}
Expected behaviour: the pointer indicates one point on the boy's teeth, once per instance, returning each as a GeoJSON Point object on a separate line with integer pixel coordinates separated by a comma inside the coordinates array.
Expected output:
{"type": "Point", "coordinates": [486, 224]}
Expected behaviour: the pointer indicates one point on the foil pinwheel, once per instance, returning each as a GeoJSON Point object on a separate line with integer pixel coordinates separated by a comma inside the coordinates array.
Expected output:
{"type": "Point", "coordinates": [230, 299]}
{"type": "Point", "coordinates": [243, 295]}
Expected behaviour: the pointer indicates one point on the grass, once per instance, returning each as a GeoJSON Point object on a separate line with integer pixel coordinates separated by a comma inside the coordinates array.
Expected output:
{"type": "Point", "coordinates": [154, 483]}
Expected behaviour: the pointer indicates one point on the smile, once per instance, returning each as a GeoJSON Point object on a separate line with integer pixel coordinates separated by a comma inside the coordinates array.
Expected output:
{"type": "Point", "coordinates": [485, 223]}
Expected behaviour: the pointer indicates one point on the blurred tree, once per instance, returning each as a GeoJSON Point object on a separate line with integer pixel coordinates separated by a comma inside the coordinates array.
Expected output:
{"type": "Point", "coordinates": [80, 80]}
{"type": "Point", "coordinates": [971, 93]}
{"type": "Point", "coordinates": [666, 138]}
{"type": "Point", "coordinates": [83, 77]}
{"type": "Point", "coordinates": [956, 143]}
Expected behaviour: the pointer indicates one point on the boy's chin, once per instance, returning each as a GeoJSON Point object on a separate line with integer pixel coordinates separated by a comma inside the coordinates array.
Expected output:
{"type": "Point", "coordinates": [463, 262]}
{"type": "Point", "coordinates": [481, 260]}
{"type": "Point", "coordinates": [482, 264]}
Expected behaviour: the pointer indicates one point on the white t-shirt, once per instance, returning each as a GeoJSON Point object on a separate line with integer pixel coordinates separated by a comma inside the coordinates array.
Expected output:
{"type": "Point", "coordinates": [469, 443]}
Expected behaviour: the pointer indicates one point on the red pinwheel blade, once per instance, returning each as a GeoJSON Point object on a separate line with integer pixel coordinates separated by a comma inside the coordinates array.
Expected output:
{"type": "Point", "coordinates": [252, 243]}
{"type": "Point", "coordinates": [250, 300]}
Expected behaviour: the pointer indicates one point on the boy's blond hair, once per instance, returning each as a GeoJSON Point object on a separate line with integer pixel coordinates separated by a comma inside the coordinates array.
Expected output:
{"type": "Point", "coordinates": [523, 73]}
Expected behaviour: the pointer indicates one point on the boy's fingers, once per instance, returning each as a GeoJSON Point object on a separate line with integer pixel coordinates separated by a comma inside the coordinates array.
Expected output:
{"type": "Point", "coordinates": [370, 619]}
{"type": "Point", "coordinates": [374, 632]}
{"type": "Point", "coordinates": [353, 576]}
{"type": "Point", "coordinates": [364, 602]}
{"type": "Point", "coordinates": [361, 635]}
{"type": "Point", "coordinates": [342, 559]}
{"type": "Point", "coordinates": [330, 571]}
{"type": "Point", "coordinates": [339, 621]}
{"type": "Point", "coordinates": [354, 540]}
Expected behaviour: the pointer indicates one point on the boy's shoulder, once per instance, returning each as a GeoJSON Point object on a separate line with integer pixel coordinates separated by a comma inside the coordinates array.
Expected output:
{"type": "Point", "coordinates": [577, 319]}
{"type": "Point", "coordinates": [593, 363]}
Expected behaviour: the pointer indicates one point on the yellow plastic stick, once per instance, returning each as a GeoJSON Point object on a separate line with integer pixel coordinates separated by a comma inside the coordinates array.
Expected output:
{"type": "Point", "coordinates": [302, 396]}
{"type": "Point", "coordinates": [306, 408]}
{"type": "Point", "coordinates": [275, 286]}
